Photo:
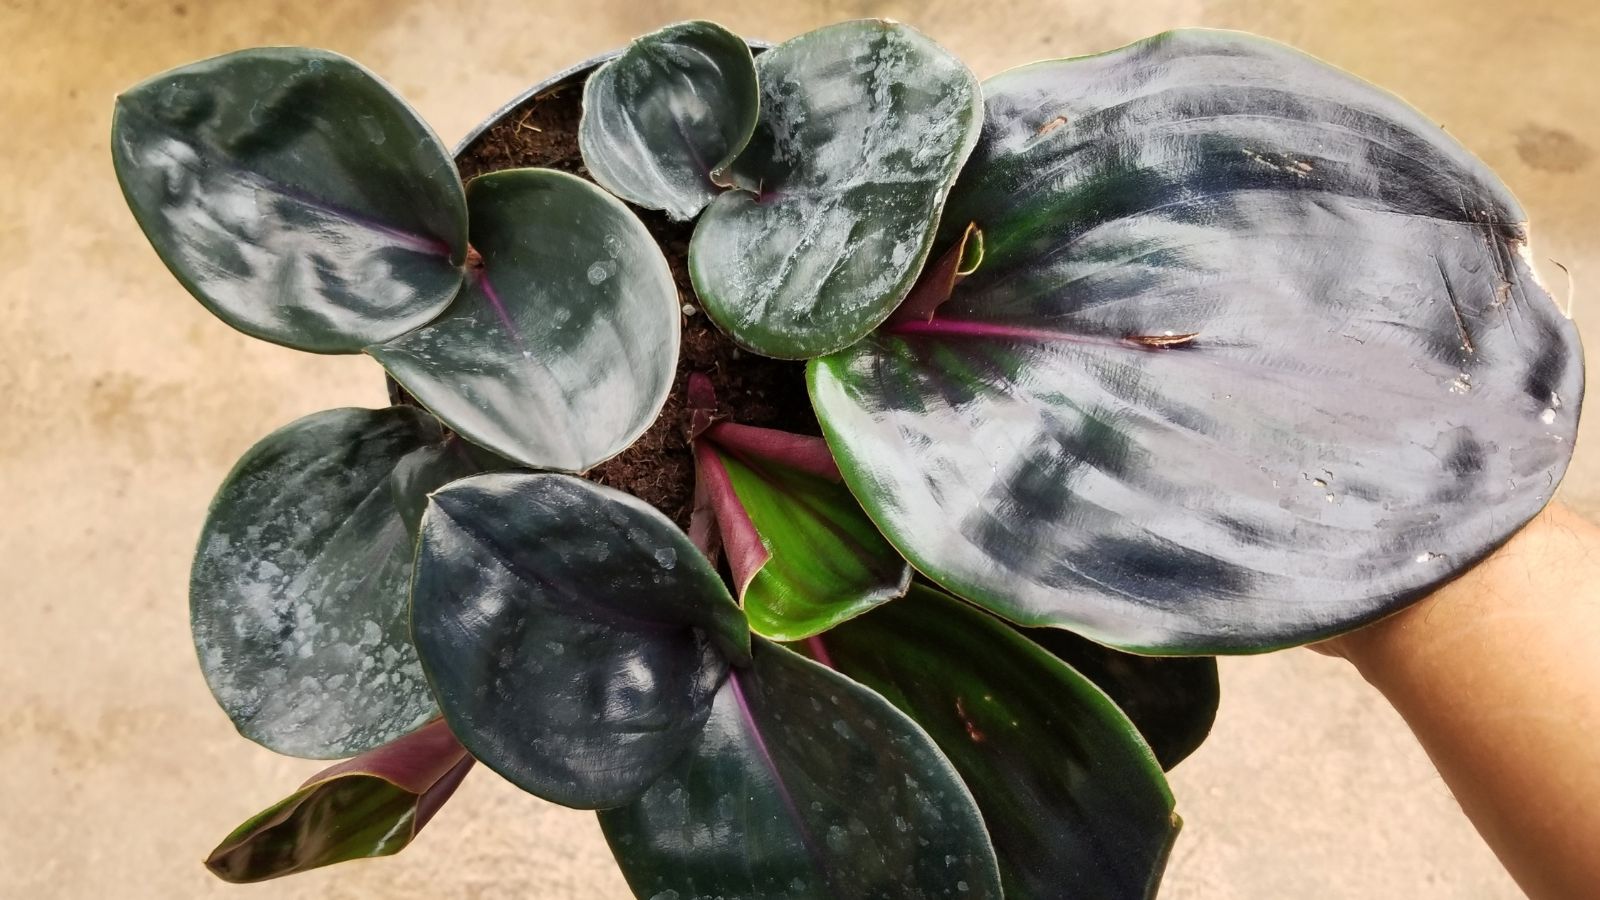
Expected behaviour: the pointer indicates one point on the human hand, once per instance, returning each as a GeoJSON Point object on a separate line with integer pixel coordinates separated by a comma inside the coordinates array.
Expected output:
{"type": "Point", "coordinates": [1496, 674]}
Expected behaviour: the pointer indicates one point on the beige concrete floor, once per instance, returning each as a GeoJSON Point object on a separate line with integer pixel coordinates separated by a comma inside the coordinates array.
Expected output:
{"type": "Point", "coordinates": [123, 403]}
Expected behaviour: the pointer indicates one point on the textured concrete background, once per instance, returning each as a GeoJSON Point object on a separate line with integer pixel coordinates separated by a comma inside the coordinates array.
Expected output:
{"type": "Point", "coordinates": [124, 404]}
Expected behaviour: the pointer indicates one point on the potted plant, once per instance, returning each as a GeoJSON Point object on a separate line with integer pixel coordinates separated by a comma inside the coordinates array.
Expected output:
{"type": "Point", "coordinates": [837, 473]}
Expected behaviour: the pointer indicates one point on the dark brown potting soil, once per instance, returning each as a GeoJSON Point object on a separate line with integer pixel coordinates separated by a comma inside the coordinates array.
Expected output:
{"type": "Point", "coordinates": [753, 390]}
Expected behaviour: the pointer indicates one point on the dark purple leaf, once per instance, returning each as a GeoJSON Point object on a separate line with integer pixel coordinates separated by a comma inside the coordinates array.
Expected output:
{"type": "Point", "coordinates": [805, 784]}
{"type": "Point", "coordinates": [1255, 356]}
{"type": "Point", "coordinates": [572, 635]}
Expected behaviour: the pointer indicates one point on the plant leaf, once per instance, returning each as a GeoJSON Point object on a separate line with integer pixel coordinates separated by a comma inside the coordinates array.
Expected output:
{"type": "Point", "coordinates": [805, 784]}
{"type": "Point", "coordinates": [572, 634]}
{"type": "Point", "coordinates": [825, 561]}
{"type": "Point", "coordinates": [298, 593]}
{"type": "Point", "coordinates": [864, 126]}
{"type": "Point", "coordinates": [372, 805]}
{"type": "Point", "coordinates": [1072, 797]}
{"type": "Point", "coordinates": [1172, 700]}
{"type": "Point", "coordinates": [560, 351]}
{"type": "Point", "coordinates": [933, 287]}
{"type": "Point", "coordinates": [729, 527]}
{"type": "Point", "coordinates": [664, 118]}
{"type": "Point", "coordinates": [1254, 357]}
{"type": "Point", "coordinates": [295, 195]}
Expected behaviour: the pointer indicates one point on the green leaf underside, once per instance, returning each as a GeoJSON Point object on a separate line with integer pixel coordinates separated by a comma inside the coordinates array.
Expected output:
{"type": "Point", "coordinates": [828, 561]}
{"type": "Point", "coordinates": [804, 784]}
{"type": "Point", "coordinates": [573, 636]}
{"type": "Point", "coordinates": [672, 110]}
{"type": "Point", "coordinates": [1171, 699]}
{"type": "Point", "coordinates": [300, 581]}
{"type": "Point", "coordinates": [863, 127]}
{"type": "Point", "coordinates": [356, 810]}
{"type": "Point", "coordinates": [1073, 799]}
{"type": "Point", "coordinates": [295, 195]}
{"type": "Point", "coordinates": [1378, 392]}
{"type": "Point", "coordinates": [561, 350]}
{"type": "Point", "coordinates": [353, 817]}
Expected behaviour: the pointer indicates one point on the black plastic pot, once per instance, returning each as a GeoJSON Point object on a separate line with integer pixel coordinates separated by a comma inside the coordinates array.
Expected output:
{"type": "Point", "coordinates": [574, 75]}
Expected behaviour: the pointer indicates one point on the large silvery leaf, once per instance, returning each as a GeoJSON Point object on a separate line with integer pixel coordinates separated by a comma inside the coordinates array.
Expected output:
{"type": "Point", "coordinates": [369, 806]}
{"type": "Point", "coordinates": [295, 195]}
{"type": "Point", "coordinates": [863, 127]}
{"type": "Point", "coordinates": [824, 560]}
{"type": "Point", "coordinates": [573, 636]}
{"type": "Point", "coordinates": [1254, 355]}
{"type": "Point", "coordinates": [298, 593]}
{"type": "Point", "coordinates": [805, 784]}
{"type": "Point", "coordinates": [1171, 699]}
{"type": "Point", "coordinates": [560, 350]}
{"type": "Point", "coordinates": [662, 120]}
{"type": "Point", "coordinates": [1073, 799]}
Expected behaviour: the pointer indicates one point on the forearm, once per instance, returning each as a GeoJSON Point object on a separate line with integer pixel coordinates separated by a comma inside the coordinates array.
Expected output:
{"type": "Point", "coordinates": [1498, 674]}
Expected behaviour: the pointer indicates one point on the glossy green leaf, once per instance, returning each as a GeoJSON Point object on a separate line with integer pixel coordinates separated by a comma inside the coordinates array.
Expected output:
{"type": "Point", "coordinates": [560, 351]}
{"type": "Point", "coordinates": [863, 127]}
{"type": "Point", "coordinates": [1172, 699]}
{"type": "Point", "coordinates": [1254, 356]}
{"type": "Point", "coordinates": [827, 561]}
{"type": "Point", "coordinates": [372, 805]}
{"type": "Point", "coordinates": [1072, 797]}
{"type": "Point", "coordinates": [662, 120]}
{"type": "Point", "coordinates": [298, 593]}
{"type": "Point", "coordinates": [573, 636]}
{"type": "Point", "coordinates": [295, 195]}
{"type": "Point", "coordinates": [804, 785]}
